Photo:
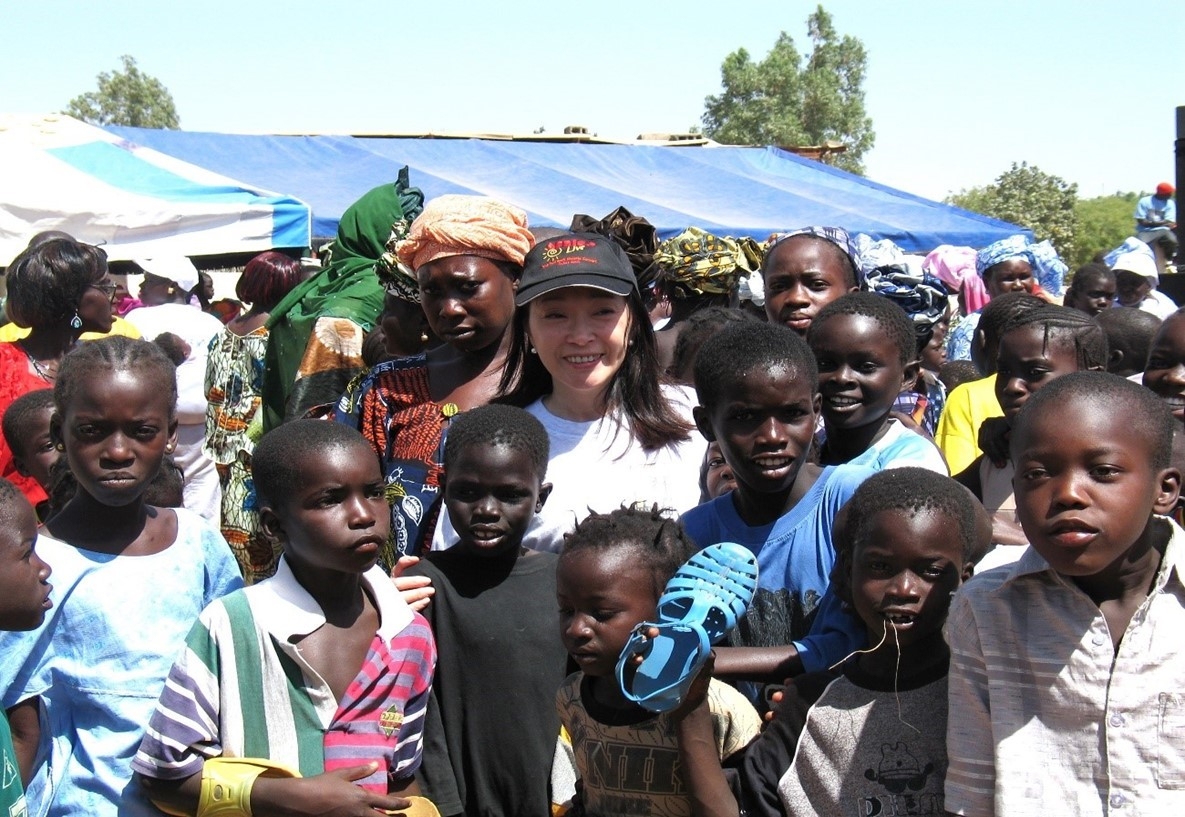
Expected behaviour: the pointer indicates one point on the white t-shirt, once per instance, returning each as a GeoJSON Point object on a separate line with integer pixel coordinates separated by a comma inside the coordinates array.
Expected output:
{"type": "Point", "coordinates": [598, 466]}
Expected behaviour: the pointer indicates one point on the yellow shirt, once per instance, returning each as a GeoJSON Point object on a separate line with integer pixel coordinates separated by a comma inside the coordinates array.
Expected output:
{"type": "Point", "coordinates": [10, 332]}
{"type": "Point", "coordinates": [958, 427]}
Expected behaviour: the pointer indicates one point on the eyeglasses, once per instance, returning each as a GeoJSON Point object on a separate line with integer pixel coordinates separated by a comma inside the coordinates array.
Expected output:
{"type": "Point", "coordinates": [108, 288]}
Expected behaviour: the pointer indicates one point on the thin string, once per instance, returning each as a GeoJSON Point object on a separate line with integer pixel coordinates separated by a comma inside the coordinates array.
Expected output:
{"type": "Point", "coordinates": [896, 671]}
{"type": "Point", "coordinates": [896, 675]}
{"type": "Point", "coordinates": [884, 636]}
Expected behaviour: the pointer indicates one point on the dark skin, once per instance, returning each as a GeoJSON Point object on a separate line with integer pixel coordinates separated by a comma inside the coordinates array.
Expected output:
{"type": "Point", "coordinates": [770, 412]}
{"type": "Point", "coordinates": [127, 526]}
{"type": "Point", "coordinates": [474, 294]}
{"type": "Point", "coordinates": [942, 569]}
{"type": "Point", "coordinates": [1088, 506]}
{"type": "Point", "coordinates": [1125, 584]}
{"type": "Point", "coordinates": [468, 379]}
{"type": "Point", "coordinates": [347, 501]}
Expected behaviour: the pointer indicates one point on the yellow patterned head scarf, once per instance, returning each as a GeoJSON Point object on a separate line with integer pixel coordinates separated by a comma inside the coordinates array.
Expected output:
{"type": "Point", "coordinates": [466, 225]}
{"type": "Point", "coordinates": [695, 262]}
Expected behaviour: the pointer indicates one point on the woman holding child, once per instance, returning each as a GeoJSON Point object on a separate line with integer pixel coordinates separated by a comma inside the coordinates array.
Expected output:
{"type": "Point", "coordinates": [467, 254]}
{"type": "Point", "coordinates": [583, 361]}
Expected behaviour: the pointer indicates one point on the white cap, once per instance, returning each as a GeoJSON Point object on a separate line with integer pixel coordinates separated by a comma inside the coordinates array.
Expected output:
{"type": "Point", "coordinates": [1138, 262]}
{"type": "Point", "coordinates": [177, 268]}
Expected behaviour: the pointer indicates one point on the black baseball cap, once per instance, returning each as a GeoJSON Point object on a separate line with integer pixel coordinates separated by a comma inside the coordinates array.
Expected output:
{"type": "Point", "coordinates": [575, 260]}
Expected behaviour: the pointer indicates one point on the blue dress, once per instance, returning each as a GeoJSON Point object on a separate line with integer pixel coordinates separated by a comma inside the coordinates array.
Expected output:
{"type": "Point", "coordinates": [99, 661]}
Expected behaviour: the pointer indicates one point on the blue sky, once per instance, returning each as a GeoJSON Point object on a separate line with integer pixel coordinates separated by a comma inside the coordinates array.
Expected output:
{"type": "Point", "coordinates": [957, 90]}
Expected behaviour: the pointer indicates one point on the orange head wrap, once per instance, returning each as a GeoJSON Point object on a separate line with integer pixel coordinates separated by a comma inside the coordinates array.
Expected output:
{"type": "Point", "coordinates": [466, 225]}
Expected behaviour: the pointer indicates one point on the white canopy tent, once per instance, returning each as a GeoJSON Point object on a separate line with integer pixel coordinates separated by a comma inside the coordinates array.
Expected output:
{"type": "Point", "coordinates": [57, 173]}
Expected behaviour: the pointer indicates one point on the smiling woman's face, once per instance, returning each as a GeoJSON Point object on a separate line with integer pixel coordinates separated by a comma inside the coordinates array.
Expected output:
{"type": "Point", "coordinates": [581, 335]}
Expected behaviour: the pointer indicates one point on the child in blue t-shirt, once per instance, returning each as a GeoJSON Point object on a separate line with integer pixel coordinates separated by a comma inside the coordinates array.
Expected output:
{"type": "Point", "coordinates": [866, 351]}
{"type": "Point", "coordinates": [758, 391]}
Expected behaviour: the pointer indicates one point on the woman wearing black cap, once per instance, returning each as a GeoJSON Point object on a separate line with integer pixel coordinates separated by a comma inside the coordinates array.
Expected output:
{"type": "Point", "coordinates": [583, 361]}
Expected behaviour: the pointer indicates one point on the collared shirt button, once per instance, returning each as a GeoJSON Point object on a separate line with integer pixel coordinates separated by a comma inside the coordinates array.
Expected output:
{"type": "Point", "coordinates": [1099, 641]}
{"type": "Point", "coordinates": [1118, 801]}
{"type": "Point", "coordinates": [1116, 720]}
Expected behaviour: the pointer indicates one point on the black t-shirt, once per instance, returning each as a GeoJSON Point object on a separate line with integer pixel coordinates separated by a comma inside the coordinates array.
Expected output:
{"type": "Point", "coordinates": [491, 729]}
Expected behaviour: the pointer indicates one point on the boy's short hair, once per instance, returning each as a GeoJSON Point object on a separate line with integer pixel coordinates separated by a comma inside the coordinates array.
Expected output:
{"type": "Point", "coordinates": [888, 315]}
{"type": "Point", "coordinates": [1130, 331]}
{"type": "Point", "coordinates": [17, 424]}
{"type": "Point", "coordinates": [745, 346]}
{"type": "Point", "coordinates": [659, 543]}
{"type": "Point", "coordinates": [1070, 325]}
{"type": "Point", "coordinates": [10, 498]}
{"type": "Point", "coordinates": [497, 424]}
{"type": "Point", "coordinates": [908, 489]}
{"type": "Point", "coordinates": [955, 373]}
{"type": "Point", "coordinates": [280, 460]}
{"type": "Point", "coordinates": [1145, 413]}
{"type": "Point", "coordinates": [695, 331]}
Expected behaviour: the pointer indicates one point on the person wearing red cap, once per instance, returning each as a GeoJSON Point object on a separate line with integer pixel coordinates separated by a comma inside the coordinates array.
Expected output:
{"type": "Point", "coordinates": [1156, 219]}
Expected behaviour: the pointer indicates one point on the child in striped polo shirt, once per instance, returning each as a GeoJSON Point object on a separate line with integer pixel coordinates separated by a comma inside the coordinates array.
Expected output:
{"type": "Point", "coordinates": [321, 672]}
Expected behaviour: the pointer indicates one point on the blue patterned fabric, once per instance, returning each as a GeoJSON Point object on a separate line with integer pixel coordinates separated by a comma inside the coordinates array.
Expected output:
{"type": "Point", "coordinates": [1042, 257]}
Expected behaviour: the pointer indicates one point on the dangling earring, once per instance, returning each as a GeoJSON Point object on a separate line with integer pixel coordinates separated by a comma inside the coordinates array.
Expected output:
{"type": "Point", "coordinates": [423, 337]}
{"type": "Point", "coordinates": [76, 321]}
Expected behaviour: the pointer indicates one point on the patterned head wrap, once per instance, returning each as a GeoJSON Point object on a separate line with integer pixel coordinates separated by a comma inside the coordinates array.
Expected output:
{"type": "Point", "coordinates": [695, 262]}
{"type": "Point", "coordinates": [396, 277]}
{"type": "Point", "coordinates": [636, 236]}
{"type": "Point", "coordinates": [836, 235]}
{"type": "Point", "coordinates": [874, 254]}
{"type": "Point", "coordinates": [466, 225]}
{"type": "Point", "coordinates": [1042, 257]}
{"type": "Point", "coordinates": [920, 294]}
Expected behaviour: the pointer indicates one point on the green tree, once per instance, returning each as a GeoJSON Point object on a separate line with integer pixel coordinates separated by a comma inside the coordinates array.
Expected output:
{"type": "Point", "coordinates": [777, 101]}
{"type": "Point", "coordinates": [1103, 223]}
{"type": "Point", "coordinates": [1027, 196]}
{"type": "Point", "coordinates": [128, 97]}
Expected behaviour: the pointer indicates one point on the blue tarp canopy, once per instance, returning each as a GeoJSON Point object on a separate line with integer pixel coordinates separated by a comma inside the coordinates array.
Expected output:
{"type": "Point", "coordinates": [727, 190]}
{"type": "Point", "coordinates": [63, 174]}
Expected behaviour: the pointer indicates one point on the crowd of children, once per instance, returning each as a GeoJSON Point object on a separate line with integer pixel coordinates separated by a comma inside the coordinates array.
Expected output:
{"type": "Point", "coordinates": [968, 600]}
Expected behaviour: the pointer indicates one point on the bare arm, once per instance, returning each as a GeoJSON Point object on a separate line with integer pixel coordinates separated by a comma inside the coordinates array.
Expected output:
{"type": "Point", "coordinates": [327, 795]}
{"type": "Point", "coordinates": [707, 786]}
{"type": "Point", "coordinates": [770, 665]}
{"type": "Point", "coordinates": [24, 720]}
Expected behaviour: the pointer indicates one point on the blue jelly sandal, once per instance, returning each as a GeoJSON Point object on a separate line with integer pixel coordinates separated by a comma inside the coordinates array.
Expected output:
{"type": "Point", "coordinates": [701, 603]}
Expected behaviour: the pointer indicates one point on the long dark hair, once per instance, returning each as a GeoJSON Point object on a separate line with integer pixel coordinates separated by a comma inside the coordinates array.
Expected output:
{"type": "Point", "coordinates": [636, 388]}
